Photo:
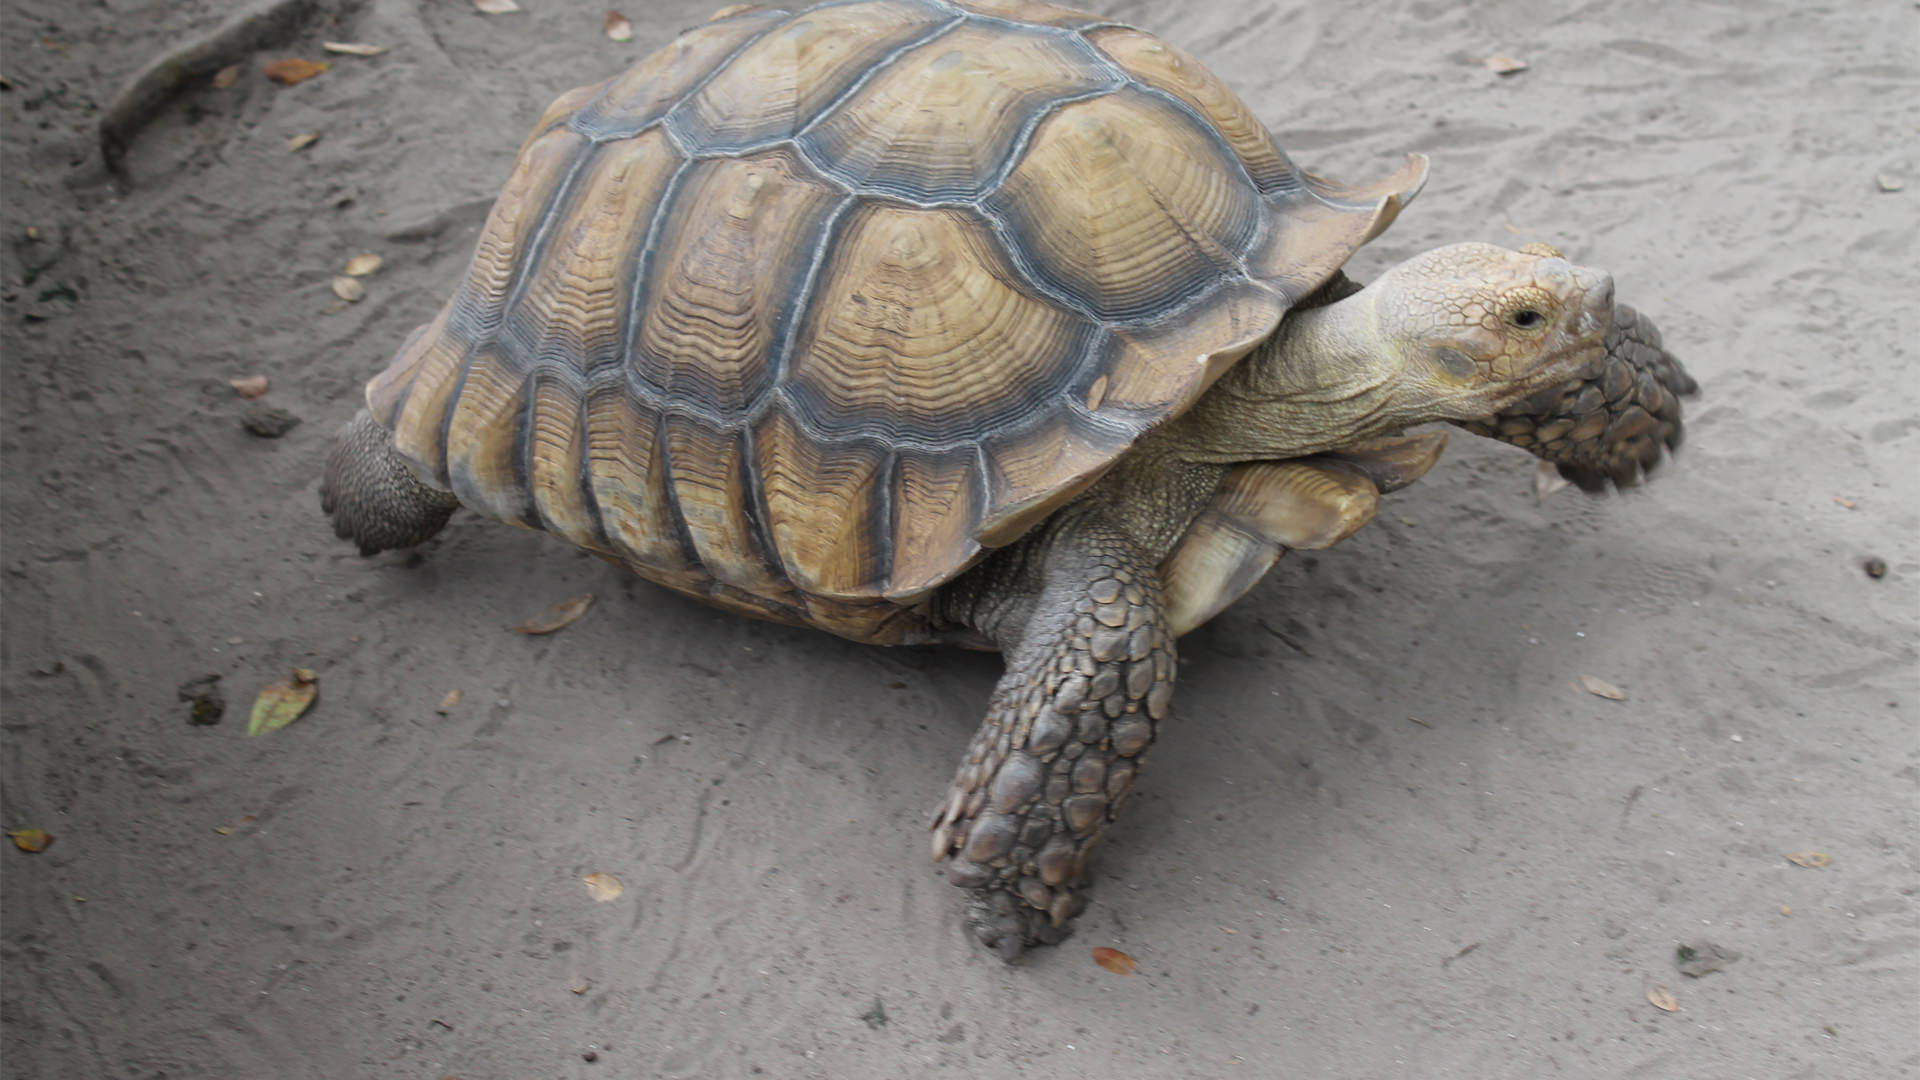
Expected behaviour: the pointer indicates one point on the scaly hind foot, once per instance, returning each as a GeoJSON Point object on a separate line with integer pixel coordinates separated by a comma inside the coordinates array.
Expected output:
{"type": "Point", "coordinates": [373, 496]}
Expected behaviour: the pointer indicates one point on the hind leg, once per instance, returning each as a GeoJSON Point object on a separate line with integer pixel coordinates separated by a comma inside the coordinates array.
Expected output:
{"type": "Point", "coordinates": [374, 497]}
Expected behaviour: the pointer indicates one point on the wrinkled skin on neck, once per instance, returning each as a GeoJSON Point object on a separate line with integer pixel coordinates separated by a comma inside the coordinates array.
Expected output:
{"type": "Point", "coordinates": [1459, 333]}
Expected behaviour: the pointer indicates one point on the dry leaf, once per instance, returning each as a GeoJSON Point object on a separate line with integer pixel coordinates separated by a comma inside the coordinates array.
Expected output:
{"type": "Point", "coordinates": [1812, 860]}
{"type": "Point", "coordinates": [249, 386]}
{"type": "Point", "coordinates": [352, 48]}
{"type": "Point", "coordinates": [495, 7]}
{"type": "Point", "coordinates": [348, 289]}
{"type": "Point", "coordinates": [283, 703]}
{"type": "Point", "coordinates": [31, 841]}
{"type": "Point", "coordinates": [362, 265]}
{"type": "Point", "coordinates": [226, 77]}
{"type": "Point", "coordinates": [294, 70]}
{"type": "Point", "coordinates": [1599, 687]}
{"type": "Point", "coordinates": [604, 887]}
{"type": "Point", "coordinates": [619, 28]}
{"type": "Point", "coordinates": [557, 617]}
{"type": "Point", "coordinates": [1113, 960]}
{"type": "Point", "coordinates": [1546, 480]}
{"type": "Point", "coordinates": [448, 703]}
{"type": "Point", "coordinates": [1662, 998]}
{"type": "Point", "coordinates": [301, 142]}
{"type": "Point", "coordinates": [1501, 64]}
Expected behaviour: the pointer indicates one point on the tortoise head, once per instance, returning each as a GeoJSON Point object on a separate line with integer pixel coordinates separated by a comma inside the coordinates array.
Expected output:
{"type": "Point", "coordinates": [1479, 327]}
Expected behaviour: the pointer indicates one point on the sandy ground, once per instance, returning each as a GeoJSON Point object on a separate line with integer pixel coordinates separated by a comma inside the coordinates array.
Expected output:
{"type": "Point", "coordinates": [1386, 837]}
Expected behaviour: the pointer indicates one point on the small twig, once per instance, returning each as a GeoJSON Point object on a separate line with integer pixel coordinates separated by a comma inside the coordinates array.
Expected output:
{"type": "Point", "coordinates": [261, 26]}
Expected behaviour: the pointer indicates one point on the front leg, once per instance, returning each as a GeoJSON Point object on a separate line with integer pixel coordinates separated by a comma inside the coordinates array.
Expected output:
{"type": "Point", "coordinates": [1079, 615]}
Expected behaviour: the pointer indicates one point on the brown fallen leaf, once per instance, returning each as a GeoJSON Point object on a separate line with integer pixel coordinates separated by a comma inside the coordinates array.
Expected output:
{"type": "Point", "coordinates": [1812, 860]}
{"type": "Point", "coordinates": [348, 289]}
{"type": "Point", "coordinates": [1502, 64]}
{"type": "Point", "coordinates": [282, 703]}
{"type": "Point", "coordinates": [448, 703]}
{"type": "Point", "coordinates": [1662, 998]}
{"type": "Point", "coordinates": [603, 887]}
{"type": "Point", "coordinates": [558, 616]}
{"type": "Point", "coordinates": [1113, 960]}
{"type": "Point", "coordinates": [495, 7]}
{"type": "Point", "coordinates": [352, 48]}
{"type": "Point", "coordinates": [249, 386]}
{"type": "Point", "coordinates": [226, 77]}
{"type": "Point", "coordinates": [1599, 687]}
{"type": "Point", "coordinates": [300, 142]}
{"type": "Point", "coordinates": [292, 70]}
{"type": "Point", "coordinates": [31, 841]}
{"type": "Point", "coordinates": [1546, 480]}
{"type": "Point", "coordinates": [619, 28]}
{"type": "Point", "coordinates": [362, 265]}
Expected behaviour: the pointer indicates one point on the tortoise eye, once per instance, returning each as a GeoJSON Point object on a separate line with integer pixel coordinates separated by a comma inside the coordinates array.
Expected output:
{"type": "Point", "coordinates": [1527, 319]}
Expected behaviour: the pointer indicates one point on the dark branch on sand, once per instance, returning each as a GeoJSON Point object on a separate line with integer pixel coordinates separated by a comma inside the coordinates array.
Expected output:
{"type": "Point", "coordinates": [263, 25]}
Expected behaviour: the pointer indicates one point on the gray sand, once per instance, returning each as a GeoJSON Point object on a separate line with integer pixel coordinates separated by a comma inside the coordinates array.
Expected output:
{"type": "Point", "coordinates": [1387, 836]}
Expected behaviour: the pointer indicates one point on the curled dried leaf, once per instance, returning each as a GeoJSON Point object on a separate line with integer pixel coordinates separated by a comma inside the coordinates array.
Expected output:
{"type": "Point", "coordinates": [1812, 860]}
{"type": "Point", "coordinates": [31, 841]}
{"type": "Point", "coordinates": [301, 142]}
{"type": "Point", "coordinates": [348, 289]}
{"type": "Point", "coordinates": [603, 887]}
{"type": "Point", "coordinates": [352, 48]}
{"type": "Point", "coordinates": [495, 7]}
{"type": "Point", "coordinates": [558, 616]}
{"type": "Point", "coordinates": [1113, 960]}
{"type": "Point", "coordinates": [282, 703]}
{"type": "Point", "coordinates": [619, 28]}
{"type": "Point", "coordinates": [1662, 998]}
{"type": "Point", "coordinates": [448, 703]}
{"type": "Point", "coordinates": [249, 386]}
{"type": "Point", "coordinates": [292, 70]}
{"type": "Point", "coordinates": [362, 265]}
{"type": "Point", "coordinates": [1599, 687]}
{"type": "Point", "coordinates": [1502, 64]}
{"type": "Point", "coordinates": [226, 77]}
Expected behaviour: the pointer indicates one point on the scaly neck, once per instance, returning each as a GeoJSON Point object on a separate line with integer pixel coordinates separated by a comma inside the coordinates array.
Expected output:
{"type": "Point", "coordinates": [1318, 383]}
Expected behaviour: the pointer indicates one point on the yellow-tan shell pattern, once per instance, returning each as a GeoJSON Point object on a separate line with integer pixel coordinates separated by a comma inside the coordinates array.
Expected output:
{"type": "Point", "coordinates": [809, 309]}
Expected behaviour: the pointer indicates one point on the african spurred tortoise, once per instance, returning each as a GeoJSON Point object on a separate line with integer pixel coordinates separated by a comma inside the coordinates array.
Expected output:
{"type": "Point", "coordinates": [974, 321]}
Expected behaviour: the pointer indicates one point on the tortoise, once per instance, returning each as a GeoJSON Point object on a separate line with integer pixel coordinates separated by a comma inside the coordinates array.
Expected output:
{"type": "Point", "coordinates": [985, 322]}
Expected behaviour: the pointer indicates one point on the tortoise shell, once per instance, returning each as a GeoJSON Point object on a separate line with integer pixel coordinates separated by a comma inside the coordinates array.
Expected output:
{"type": "Point", "coordinates": [807, 311]}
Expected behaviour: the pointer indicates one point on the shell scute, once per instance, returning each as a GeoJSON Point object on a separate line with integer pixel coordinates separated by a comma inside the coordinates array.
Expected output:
{"type": "Point", "coordinates": [1128, 205]}
{"type": "Point", "coordinates": [942, 121]}
{"type": "Point", "coordinates": [921, 330]}
{"type": "Point", "coordinates": [633, 100]}
{"type": "Point", "coordinates": [790, 75]}
{"type": "Point", "coordinates": [725, 272]}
